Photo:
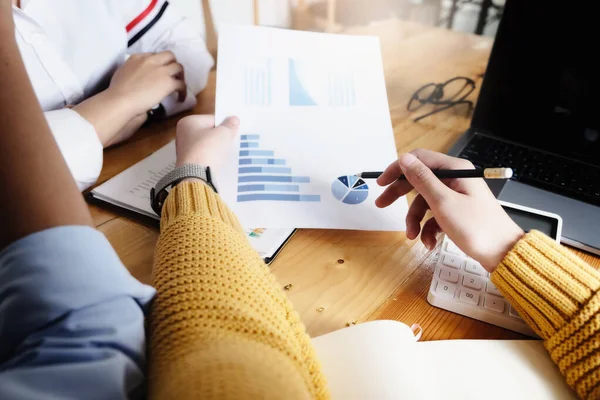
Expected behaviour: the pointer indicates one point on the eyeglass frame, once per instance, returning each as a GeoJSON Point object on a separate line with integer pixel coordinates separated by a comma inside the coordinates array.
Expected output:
{"type": "Point", "coordinates": [436, 96]}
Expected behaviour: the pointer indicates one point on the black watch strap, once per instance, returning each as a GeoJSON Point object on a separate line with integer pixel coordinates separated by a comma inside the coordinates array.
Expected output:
{"type": "Point", "coordinates": [156, 113]}
{"type": "Point", "coordinates": [159, 193]}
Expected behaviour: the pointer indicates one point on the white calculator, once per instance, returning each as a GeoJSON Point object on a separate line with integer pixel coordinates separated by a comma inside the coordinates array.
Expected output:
{"type": "Point", "coordinates": [461, 285]}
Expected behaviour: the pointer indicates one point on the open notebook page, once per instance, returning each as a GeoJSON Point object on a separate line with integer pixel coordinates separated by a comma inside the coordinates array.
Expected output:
{"type": "Point", "coordinates": [131, 190]}
{"type": "Point", "coordinates": [381, 360]}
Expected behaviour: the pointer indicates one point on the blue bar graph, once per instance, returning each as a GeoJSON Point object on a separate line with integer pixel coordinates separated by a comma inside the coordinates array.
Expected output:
{"type": "Point", "coordinates": [257, 153]}
{"type": "Point", "coordinates": [250, 137]}
{"type": "Point", "coordinates": [262, 177]}
{"type": "Point", "coordinates": [268, 170]}
{"type": "Point", "coordinates": [269, 188]}
{"type": "Point", "coordinates": [257, 84]}
{"type": "Point", "coordinates": [259, 161]}
{"type": "Point", "coordinates": [273, 178]}
{"type": "Point", "coordinates": [341, 90]}
{"type": "Point", "coordinates": [278, 197]}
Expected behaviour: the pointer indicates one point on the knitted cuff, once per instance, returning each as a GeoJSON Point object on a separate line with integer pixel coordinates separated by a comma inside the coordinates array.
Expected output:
{"type": "Point", "coordinates": [557, 294]}
{"type": "Point", "coordinates": [195, 198]}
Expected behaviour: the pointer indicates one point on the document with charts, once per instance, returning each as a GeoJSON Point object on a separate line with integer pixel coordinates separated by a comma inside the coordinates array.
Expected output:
{"type": "Point", "coordinates": [314, 112]}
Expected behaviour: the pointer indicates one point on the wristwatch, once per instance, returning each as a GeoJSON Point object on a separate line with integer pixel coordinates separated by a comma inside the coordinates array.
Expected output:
{"type": "Point", "coordinates": [156, 113]}
{"type": "Point", "coordinates": [159, 193]}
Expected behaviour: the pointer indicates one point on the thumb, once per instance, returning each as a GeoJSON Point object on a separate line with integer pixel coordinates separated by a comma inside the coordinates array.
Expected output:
{"type": "Point", "coordinates": [423, 179]}
{"type": "Point", "coordinates": [229, 127]}
{"type": "Point", "coordinates": [231, 123]}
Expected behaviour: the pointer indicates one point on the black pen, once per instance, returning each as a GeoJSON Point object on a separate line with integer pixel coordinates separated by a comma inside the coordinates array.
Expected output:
{"type": "Point", "coordinates": [488, 173]}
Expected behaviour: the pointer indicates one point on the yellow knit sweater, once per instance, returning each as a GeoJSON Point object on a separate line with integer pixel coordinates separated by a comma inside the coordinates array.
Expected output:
{"type": "Point", "coordinates": [221, 326]}
{"type": "Point", "coordinates": [557, 294]}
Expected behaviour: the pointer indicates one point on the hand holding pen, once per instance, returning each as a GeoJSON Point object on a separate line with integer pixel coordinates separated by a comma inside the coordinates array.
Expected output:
{"type": "Point", "coordinates": [488, 173]}
{"type": "Point", "coordinates": [464, 209]}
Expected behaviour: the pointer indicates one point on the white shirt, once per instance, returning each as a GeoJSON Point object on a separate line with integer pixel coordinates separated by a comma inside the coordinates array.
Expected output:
{"type": "Point", "coordinates": [71, 48]}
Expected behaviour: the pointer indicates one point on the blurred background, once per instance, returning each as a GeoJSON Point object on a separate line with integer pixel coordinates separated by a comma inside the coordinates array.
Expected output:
{"type": "Point", "coordinates": [474, 16]}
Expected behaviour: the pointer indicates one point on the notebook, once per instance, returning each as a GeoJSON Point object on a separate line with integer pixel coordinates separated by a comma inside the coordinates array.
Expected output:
{"type": "Point", "coordinates": [129, 192]}
{"type": "Point", "coordinates": [383, 360]}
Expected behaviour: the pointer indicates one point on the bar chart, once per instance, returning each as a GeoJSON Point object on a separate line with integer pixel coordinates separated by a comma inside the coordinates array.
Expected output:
{"type": "Point", "coordinates": [262, 177]}
{"type": "Point", "coordinates": [257, 84]}
{"type": "Point", "coordinates": [341, 89]}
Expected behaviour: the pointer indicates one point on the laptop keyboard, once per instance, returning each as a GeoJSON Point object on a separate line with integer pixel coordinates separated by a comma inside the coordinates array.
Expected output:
{"type": "Point", "coordinates": [546, 171]}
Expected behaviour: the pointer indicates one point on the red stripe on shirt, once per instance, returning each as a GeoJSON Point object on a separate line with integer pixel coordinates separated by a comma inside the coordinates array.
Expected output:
{"type": "Point", "coordinates": [140, 17]}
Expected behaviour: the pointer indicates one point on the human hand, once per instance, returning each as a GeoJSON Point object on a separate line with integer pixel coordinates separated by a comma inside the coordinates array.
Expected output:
{"type": "Point", "coordinates": [198, 141]}
{"type": "Point", "coordinates": [465, 209]}
{"type": "Point", "coordinates": [146, 79]}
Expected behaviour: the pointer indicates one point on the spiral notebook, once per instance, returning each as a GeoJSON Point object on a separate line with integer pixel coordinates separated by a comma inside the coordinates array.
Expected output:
{"type": "Point", "coordinates": [129, 193]}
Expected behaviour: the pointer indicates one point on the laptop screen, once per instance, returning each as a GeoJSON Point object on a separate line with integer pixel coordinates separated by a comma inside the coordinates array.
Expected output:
{"type": "Point", "coordinates": [542, 83]}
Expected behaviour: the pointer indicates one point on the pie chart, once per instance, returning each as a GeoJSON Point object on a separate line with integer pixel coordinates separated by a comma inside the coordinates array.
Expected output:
{"type": "Point", "coordinates": [350, 189]}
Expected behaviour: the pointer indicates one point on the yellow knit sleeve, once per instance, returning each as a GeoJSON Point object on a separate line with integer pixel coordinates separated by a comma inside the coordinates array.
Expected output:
{"type": "Point", "coordinates": [221, 326]}
{"type": "Point", "coordinates": [557, 294]}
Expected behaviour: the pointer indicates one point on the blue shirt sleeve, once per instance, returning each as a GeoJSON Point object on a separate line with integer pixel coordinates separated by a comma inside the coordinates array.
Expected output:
{"type": "Point", "coordinates": [71, 318]}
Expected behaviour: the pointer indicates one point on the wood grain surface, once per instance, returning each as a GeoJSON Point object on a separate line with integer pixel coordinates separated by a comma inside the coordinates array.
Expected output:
{"type": "Point", "coordinates": [341, 277]}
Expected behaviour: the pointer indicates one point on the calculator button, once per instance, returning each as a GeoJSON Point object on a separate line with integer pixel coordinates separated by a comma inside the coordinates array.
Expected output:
{"type": "Point", "coordinates": [494, 303]}
{"type": "Point", "coordinates": [473, 267]}
{"type": "Point", "coordinates": [453, 248]}
{"type": "Point", "coordinates": [449, 274]}
{"type": "Point", "coordinates": [492, 289]}
{"type": "Point", "coordinates": [469, 296]}
{"type": "Point", "coordinates": [513, 313]}
{"type": "Point", "coordinates": [451, 261]}
{"type": "Point", "coordinates": [473, 282]}
{"type": "Point", "coordinates": [446, 289]}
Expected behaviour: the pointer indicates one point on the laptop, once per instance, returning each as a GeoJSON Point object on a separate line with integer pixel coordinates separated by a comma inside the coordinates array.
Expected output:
{"type": "Point", "coordinates": [539, 113]}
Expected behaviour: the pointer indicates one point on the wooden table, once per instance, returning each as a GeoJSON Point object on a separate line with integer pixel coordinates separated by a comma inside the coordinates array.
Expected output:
{"type": "Point", "coordinates": [348, 275]}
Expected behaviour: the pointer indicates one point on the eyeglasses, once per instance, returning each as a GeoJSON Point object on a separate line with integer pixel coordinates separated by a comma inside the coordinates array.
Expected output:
{"type": "Point", "coordinates": [451, 93]}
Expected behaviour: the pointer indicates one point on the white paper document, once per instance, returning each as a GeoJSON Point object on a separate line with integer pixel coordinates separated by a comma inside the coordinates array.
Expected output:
{"type": "Point", "coordinates": [314, 112]}
{"type": "Point", "coordinates": [130, 190]}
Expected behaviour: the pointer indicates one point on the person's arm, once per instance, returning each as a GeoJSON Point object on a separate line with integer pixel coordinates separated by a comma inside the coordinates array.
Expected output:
{"type": "Point", "coordinates": [72, 316]}
{"type": "Point", "coordinates": [555, 292]}
{"type": "Point", "coordinates": [157, 25]}
{"type": "Point", "coordinates": [79, 144]}
{"type": "Point", "coordinates": [135, 88]}
{"type": "Point", "coordinates": [221, 325]}
{"type": "Point", "coordinates": [111, 117]}
{"type": "Point", "coordinates": [31, 165]}
{"type": "Point", "coordinates": [114, 114]}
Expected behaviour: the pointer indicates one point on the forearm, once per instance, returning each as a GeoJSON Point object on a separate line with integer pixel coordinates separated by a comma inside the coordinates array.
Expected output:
{"type": "Point", "coordinates": [111, 116]}
{"type": "Point", "coordinates": [128, 130]}
{"type": "Point", "coordinates": [219, 313]}
{"type": "Point", "coordinates": [557, 294]}
{"type": "Point", "coordinates": [74, 318]}
{"type": "Point", "coordinates": [38, 189]}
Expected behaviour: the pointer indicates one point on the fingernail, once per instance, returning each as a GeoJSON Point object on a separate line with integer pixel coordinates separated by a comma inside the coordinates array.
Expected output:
{"type": "Point", "coordinates": [406, 159]}
{"type": "Point", "coordinates": [233, 121]}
